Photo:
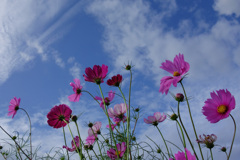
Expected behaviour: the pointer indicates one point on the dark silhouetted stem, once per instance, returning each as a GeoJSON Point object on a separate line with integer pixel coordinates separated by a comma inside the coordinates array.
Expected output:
{"type": "Point", "coordinates": [235, 127]}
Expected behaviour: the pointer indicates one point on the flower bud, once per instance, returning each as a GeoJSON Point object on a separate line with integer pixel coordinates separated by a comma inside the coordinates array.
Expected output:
{"type": "Point", "coordinates": [74, 118]}
{"type": "Point", "coordinates": [14, 137]}
{"type": "Point", "coordinates": [179, 97]}
{"type": "Point", "coordinates": [223, 149]}
{"type": "Point", "coordinates": [128, 67]}
{"type": "Point", "coordinates": [174, 117]}
{"type": "Point", "coordinates": [159, 150]}
{"type": "Point", "coordinates": [1, 147]}
{"type": "Point", "coordinates": [107, 141]}
{"type": "Point", "coordinates": [136, 110]}
{"type": "Point", "coordinates": [134, 138]}
{"type": "Point", "coordinates": [90, 125]}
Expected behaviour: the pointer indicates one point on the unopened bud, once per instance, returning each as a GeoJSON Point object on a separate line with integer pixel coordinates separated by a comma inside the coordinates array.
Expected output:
{"type": "Point", "coordinates": [90, 125]}
{"type": "Point", "coordinates": [74, 118]}
{"type": "Point", "coordinates": [174, 117]}
{"type": "Point", "coordinates": [159, 150]}
{"type": "Point", "coordinates": [14, 137]}
{"type": "Point", "coordinates": [179, 97]}
{"type": "Point", "coordinates": [223, 149]}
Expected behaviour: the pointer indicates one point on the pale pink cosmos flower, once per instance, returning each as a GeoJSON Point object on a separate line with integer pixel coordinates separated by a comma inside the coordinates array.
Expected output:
{"type": "Point", "coordinates": [121, 148]}
{"type": "Point", "coordinates": [14, 106]}
{"type": "Point", "coordinates": [208, 140]}
{"type": "Point", "coordinates": [97, 74]}
{"type": "Point", "coordinates": [76, 139]}
{"type": "Point", "coordinates": [155, 119]}
{"type": "Point", "coordinates": [95, 129]}
{"type": "Point", "coordinates": [181, 155]}
{"type": "Point", "coordinates": [107, 100]}
{"type": "Point", "coordinates": [117, 114]}
{"type": "Point", "coordinates": [177, 68]}
{"type": "Point", "coordinates": [77, 88]}
{"type": "Point", "coordinates": [90, 140]}
{"type": "Point", "coordinates": [219, 106]}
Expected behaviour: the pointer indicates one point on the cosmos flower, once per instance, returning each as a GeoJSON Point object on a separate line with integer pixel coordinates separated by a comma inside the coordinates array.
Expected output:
{"type": "Point", "coordinates": [76, 139]}
{"type": "Point", "coordinates": [97, 74]}
{"type": "Point", "coordinates": [181, 155]}
{"type": "Point", "coordinates": [155, 119]}
{"type": "Point", "coordinates": [112, 126]}
{"type": "Point", "coordinates": [14, 106]}
{"type": "Point", "coordinates": [115, 80]}
{"type": "Point", "coordinates": [219, 106]}
{"type": "Point", "coordinates": [58, 114]}
{"type": "Point", "coordinates": [107, 100]}
{"type": "Point", "coordinates": [90, 140]}
{"type": "Point", "coordinates": [77, 88]}
{"type": "Point", "coordinates": [121, 148]}
{"type": "Point", "coordinates": [117, 114]}
{"type": "Point", "coordinates": [95, 129]}
{"type": "Point", "coordinates": [207, 140]}
{"type": "Point", "coordinates": [177, 68]}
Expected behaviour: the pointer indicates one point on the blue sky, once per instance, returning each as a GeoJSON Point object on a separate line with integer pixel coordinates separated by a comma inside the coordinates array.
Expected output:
{"type": "Point", "coordinates": [46, 44]}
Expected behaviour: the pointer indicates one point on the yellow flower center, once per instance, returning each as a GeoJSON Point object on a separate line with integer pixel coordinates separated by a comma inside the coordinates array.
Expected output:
{"type": "Point", "coordinates": [175, 73]}
{"type": "Point", "coordinates": [118, 152]}
{"type": "Point", "coordinates": [222, 109]}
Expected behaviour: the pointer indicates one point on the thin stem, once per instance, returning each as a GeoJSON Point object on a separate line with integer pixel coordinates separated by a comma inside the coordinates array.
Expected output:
{"type": "Point", "coordinates": [184, 142]}
{"type": "Point", "coordinates": [95, 154]}
{"type": "Point", "coordinates": [191, 118]}
{"type": "Point", "coordinates": [91, 95]}
{"type": "Point", "coordinates": [163, 141]}
{"type": "Point", "coordinates": [235, 127]}
{"type": "Point", "coordinates": [129, 98]}
{"type": "Point", "coordinates": [65, 141]}
{"type": "Point", "coordinates": [80, 140]}
{"type": "Point", "coordinates": [3, 156]}
{"type": "Point", "coordinates": [97, 143]}
{"type": "Point", "coordinates": [211, 153]}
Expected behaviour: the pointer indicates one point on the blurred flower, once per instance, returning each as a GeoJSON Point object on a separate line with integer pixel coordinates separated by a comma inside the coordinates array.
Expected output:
{"type": "Point", "coordinates": [115, 80]}
{"type": "Point", "coordinates": [207, 140]}
{"type": "Point", "coordinates": [181, 155]}
{"type": "Point", "coordinates": [14, 106]}
{"type": "Point", "coordinates": [58, 114]}
{"type": "Point", "coordinates": [112, 126]}
{"type": "Point", "coordinates": [155, 119]}
{"type": "Point", "coordinates": [77, 88]}
{"type": "Point", "coordinates": [95, 129]}
{"type": "Point", "coordinates": [90, 140]}
{"type": "Point", "coordinates": [76, 139]}
{"type": "Point", "coordinates": [117, 114]}
{"type": "Point", "coordinates": [121, 148]}
{"type": "Point", "coordinates": [97, 74]}
{"type": "Point", "coordinates": [107, 100]}
{"type": "Point", "coordinates": [177, 68]}
{"type": "Point", "coordinates": [219, 106]}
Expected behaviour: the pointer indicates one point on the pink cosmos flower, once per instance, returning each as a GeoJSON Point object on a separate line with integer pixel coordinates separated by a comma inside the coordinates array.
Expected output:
{"type": "Point", "coordinates": [58, 114]}
{"type": "Point", "coordinates": [181, 156]}
{"type": "Point", "coordinates": [121, 148]}
{"type": "Point", "coordinates": [14, 106]}
{"type": "Point", "coordinates": [115, 80]}
{"type": "Point", "coordinates": [90, 140]}
{"type": "Point", "coordinates": [207, 140]}
{"type": "Point", "coordinates": [155, 119]}
{"type": "Point", "coordinates": [107, 100]}
{"type": "Point", "coordinates": [77, 88]}
{"type": "Point", "coordinates": [97, 74]}
{"type": "Point", "coordinates": [112, 126]}
{"type": "Point", "coordinates": [76, 139]}
{"type": "Point", "coordinates": [219, 106]}
{"type": "Point", "coordinates": [117, 114]}
{"type": "Point", "coordinates": [95, 129]}
{"type": "Point", "coordinates": [177, 68]}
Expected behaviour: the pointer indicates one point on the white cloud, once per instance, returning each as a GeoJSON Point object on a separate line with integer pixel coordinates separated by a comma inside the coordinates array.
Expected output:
{"type": "Point", "coordinates": [227, 7]}
{"type": "Point", "coordinates": [75, 71]}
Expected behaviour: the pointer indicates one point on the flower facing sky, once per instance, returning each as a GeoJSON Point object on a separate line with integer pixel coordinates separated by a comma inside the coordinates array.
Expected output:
{"type": "Point", "coordinates": [177, 68]}
{"type": "Point", "coordinates": [121, 148]}
{"type": "Point", "coordinates": [58, 114]}
{"type": "Point", "coordinates": [155, 119]}
{"type": "Point", "coordinates": [208, 140]}
{"type": "Point", "coordinates": [117, 114]}
{"type": "Point", "coordinates": [97, 74]}
{"type": "Point", "coordinates": [14, 106]}
{"type": "Point", "coordinates": [115, 80]}
{"type": "Point", "coordinates": [95, 129]}
{"type": "Point", "coordinates": [77, 88]}
{"type": "Point", "coordinates": [181, 155]}
{"type": "Point", "coordinates": [76, 139]}
{"type": "Point", "coordinates": [107, 100]}
{"type": "Point", "coordinates": [219, 106]}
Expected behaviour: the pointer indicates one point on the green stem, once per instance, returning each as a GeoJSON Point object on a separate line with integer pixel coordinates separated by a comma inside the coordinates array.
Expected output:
{"type": "Point", "coordinates": [80, 140]}
{"type": "Point", "coordinates": [95, 154]}
{"type": "Point", "coordinates": [91, 95]}
{"type": "Point", "coordinates": [189, 110]}
{"type": "Point", "coordinates": [235, 127]}
{"type": "Point", "coordinates": [211, 153]}
{"type": "Point", "coordinates": [65, 141]}
{"type": "Point", "coordinates": [184, 142]}
{"type": "Point", "coordinates": [164, 141]}
{"type": "Point", "coordinates": [129, 98]}
{"type": "Point", "coordinates": [97, 144]}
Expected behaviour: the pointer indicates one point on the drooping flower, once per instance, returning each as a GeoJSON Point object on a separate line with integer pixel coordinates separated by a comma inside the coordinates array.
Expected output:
{"type": "Point", "coordinates": [97, 74]}
{"type": "Point", "coordinates": [107, 100]}
{"type": "Point", "coordinates": [115, 80]}
{"type": "Point", "coordinates": [155, 119]}
{"type": "Point", "coordinates": [14, 106]}
{"type": "Point", "coordinates": [121, 148]}
{"type": "Point", "coordinates": [58, 114]}
{"type": "Point", "coordinates": [208, 140]}
{"type": "Point", "coordinates": [117, 114]}
{"type": "Point", "coordinates": [76, 139]}
{"type": "Point", "coordinates": [90, 140]}
{"type": "Point", "coordinates": [77, 88]}
{"type": "Point", "coordinates": [95, 129]}
{"type": "Point", "coordinates": [181, 155]}
{"type": "Point", "coordinates": [177, 68]}
{"type": "Point", "coordinates": [219, 106]}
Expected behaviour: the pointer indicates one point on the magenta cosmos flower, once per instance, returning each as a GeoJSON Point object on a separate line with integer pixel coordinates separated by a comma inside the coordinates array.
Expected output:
{"type": "Point", "coordinates": [177, 68]}
{"type": "Point", "coordinates": [181, 156]}
{"type": "Point", "coordinates": [107, 100]}
{"type": "Point", "coordinates": [97, 74]}
{"type": "Point", "coordinates": [90, 140]}
{"type": "Point", "coordinates": [76, 139]}
{"type": "Point", "coordinates": [117, 114]}
{"type": "Point", "coordinates": [219, 106]}
{"type": "Point", "coordinates": [95, 129]}
{"type": "Point", "coordinates": [77, 88]}
{"type": "Point", "coordinates": [14, 106]}
{"type": "Point", "coordinates": [58, 114]}
{"type": "Point", "coordinates": [121, 148]}
{"type": "Point", "coordinates": [115, 80]}
{"type": "Point", "coordinates": [208, 140]}
{"type": "Point", "coordinates": [155, 119]}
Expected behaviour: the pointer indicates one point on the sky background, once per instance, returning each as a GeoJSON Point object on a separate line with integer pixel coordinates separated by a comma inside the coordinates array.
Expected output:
{"type": "Point", "coordinates": [44, 45]}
